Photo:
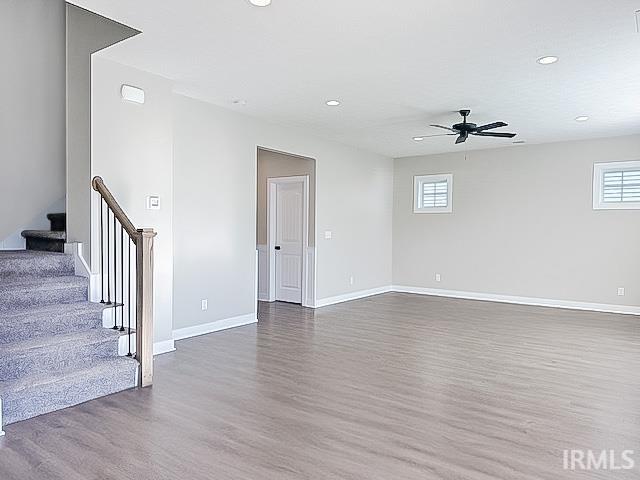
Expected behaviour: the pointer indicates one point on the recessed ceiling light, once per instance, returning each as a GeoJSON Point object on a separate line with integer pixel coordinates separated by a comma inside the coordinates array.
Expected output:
{"type": "Point", "coordinates": [548, 60]}
{"type": "Point", "coordinates": [582, 118]}
{"type": "Point", "coordinates": [418, 139]}
{"type": "Point", "coordinates": [333, 103]}
{"type": "Point", "coordinates": [260, 3]}
{"type": "Point", "coordinates": [519, 142]}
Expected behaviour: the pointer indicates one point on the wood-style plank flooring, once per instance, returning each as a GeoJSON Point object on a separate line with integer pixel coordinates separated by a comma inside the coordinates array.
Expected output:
{"type": "Point", "coordinates": [390, 387]}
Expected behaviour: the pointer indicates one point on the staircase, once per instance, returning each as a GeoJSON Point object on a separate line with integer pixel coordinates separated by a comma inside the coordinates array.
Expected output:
{"type": "Point", "coordinates": [48, 240]}
{"type": "Point", "coordinates": [54, 351]}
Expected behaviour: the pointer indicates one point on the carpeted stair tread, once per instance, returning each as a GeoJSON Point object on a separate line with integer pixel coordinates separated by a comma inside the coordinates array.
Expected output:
{"type": "Point", "coordinates": [23, 292]}
{"type": "Point", "coordinates": [54, 352]}
{"type": "Point", "coordinates": [36, 282]}
{"type": "Point", "coordinates": [57, 352]}
{"type": "Point", "coordinates": [45, 240]}
{"type": "Point", "coordinates": [32, 322]}
{"type": "Point", "coordinates": [34, 395]}
{"type": "Point", "coordinates": [34, 263]}
{"type": "Point", "coordinates": [45, 234]}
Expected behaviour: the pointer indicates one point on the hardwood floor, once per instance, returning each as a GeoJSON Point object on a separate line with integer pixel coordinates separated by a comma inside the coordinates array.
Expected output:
{"type": "Point", "coordinates": [390, 387]}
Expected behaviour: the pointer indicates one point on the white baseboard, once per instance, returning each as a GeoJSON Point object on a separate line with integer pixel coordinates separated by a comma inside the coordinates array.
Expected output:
{"type": "Point", "coordinates": [323, 302]}
{"type": "Point", "coordinates": [165, 346]}
{"type": "Point", "coordinates": [533, 301]}
{"type": "Point", "coordinates": [216, 326]}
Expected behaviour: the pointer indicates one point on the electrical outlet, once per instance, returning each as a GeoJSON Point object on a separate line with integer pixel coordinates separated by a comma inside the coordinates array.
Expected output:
{"type": "Point", "coordinates": [438, 277]}
{"type": "Point", "coordinates": [351, 280]}
{"type": "Point", "coordinates": [205, 304]}
{"type": "Point", "coordinates": [621, 291]}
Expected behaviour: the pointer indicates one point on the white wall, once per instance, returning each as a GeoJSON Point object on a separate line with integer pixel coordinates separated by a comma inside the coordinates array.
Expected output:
{"type": "Point", "coordinates": [202, 161]}
{"type": "Point", "coordinates": [522, 225]}
{"type": "Point", "coordinates": [215, 211]}
{"type": "Point", "coordinates": [87, 32]}
{"type": "Point", "coordinates": [132, 152]}
{"type": "Point", "coordinates": [32, 116]}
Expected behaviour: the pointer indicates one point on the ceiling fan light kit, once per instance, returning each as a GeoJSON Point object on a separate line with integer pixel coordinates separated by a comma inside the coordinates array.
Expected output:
{"type": "Point", "coordinates": [464, 129]}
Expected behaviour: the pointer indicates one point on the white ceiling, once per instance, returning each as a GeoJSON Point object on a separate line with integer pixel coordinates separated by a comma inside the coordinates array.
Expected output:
{"type": "Point", "coordinates": [399, 65]}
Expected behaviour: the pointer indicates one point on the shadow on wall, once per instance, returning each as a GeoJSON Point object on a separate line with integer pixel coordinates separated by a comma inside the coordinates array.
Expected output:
{"type": "Point", "coordinates": [32, 151]}
{"type": "Point", "coordinates": [15, 241]}
{"type": "Point", "coordinates": [87, 33]}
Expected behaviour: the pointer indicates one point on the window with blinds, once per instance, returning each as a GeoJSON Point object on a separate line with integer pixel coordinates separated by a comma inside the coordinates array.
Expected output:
{"type": "Point", "coordinates": [616, 185]}
{"type": "Point", "coordinates": [435, 194]}
{"type": "Point", "coordinates": [432, 194]}
{"type": "Point", "coordinates": [621, 186]}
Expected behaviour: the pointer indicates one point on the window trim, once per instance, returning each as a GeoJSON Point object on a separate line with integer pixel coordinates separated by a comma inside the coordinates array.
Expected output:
{"type": "Point", "coordinates": [419, 180]}
{"type": "Point", "coordinates": [599, 169]}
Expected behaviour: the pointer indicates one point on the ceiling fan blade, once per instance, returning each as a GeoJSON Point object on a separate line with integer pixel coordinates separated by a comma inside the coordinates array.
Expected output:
{"type": "Point", "coordinates": [438, 135]}
{"type": "Point", "coordinates": [490, 126]}
{"type": "Point", "coordinates": [462, 138]}
{"type": "Point", "coordinates": [446, 128]}
{"type": "Point", "coordinates": [494, 134]}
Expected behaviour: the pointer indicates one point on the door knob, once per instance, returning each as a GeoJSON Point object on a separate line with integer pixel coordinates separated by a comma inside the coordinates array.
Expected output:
{"type": "Point", "coordinates": [277, 247]}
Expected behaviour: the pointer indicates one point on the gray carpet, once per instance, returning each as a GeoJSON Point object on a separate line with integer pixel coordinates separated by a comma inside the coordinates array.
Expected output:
{"type": "Point", "coordinates": [54, 352]}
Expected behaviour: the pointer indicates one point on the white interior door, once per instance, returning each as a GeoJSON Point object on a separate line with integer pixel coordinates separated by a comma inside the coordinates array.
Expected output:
{"type": "Point", "coordinates": [289, 238]}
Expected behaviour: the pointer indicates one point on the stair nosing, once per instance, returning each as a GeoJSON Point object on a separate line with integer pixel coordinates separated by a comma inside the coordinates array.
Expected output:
{"type": "Point", "coordinates": [66, 375]}
{"type": "Point", "coordinates": [89, 336]}
{"type": "Point", "coordinates": [45, 282]}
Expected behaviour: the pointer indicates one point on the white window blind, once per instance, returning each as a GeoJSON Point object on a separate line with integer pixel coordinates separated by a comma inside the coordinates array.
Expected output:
{"type": "Point", "coordinates": [435, 194]}
{"type": "Point", "coordinates": [616, 185]}
{"type": "Point", "coordinates": [621, 186]}
{"type": "Point", "coordinates": [432, 193]}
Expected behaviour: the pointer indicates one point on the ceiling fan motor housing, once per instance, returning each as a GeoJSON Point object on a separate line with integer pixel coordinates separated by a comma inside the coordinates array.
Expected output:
{"type": "Point", "coordinates": [464, 127]}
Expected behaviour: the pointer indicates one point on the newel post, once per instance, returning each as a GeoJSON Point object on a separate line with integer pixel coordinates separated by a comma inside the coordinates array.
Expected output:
{"type": "Point", "coordinates": [144, 307]}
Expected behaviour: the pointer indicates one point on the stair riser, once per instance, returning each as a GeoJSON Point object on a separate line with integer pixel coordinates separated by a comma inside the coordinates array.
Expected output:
{"type": "Point", "coordinates": [39, 399]}
{"type": "Point", "coordinates": [45, 245]}
{"type": "Point", "coordinates": [55, 358]}
{"type": "Point", "coordinates": [15, 299]}
{"type": "Point", "coordinates": [58, 224]}
{"type": "Point", "coordinates": [35, 326]}
{"type": "Point", "coordinates": [45, 266]}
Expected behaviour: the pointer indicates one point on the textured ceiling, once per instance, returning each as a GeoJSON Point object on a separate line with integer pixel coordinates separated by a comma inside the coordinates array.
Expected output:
{"type": "Point", "coordinates": [398, 66]}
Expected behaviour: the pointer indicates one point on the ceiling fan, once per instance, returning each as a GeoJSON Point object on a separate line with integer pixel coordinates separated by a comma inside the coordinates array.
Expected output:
{"type": "Point", "coordinates": [464, 129]}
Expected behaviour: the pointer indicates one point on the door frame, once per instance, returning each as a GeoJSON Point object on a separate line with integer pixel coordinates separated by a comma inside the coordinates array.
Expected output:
{"type": "Point", "coordinates": [272, 184]}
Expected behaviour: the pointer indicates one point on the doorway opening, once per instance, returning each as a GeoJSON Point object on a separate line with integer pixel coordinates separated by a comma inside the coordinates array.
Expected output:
{"type": "Point", "coordinates": [285, 226]}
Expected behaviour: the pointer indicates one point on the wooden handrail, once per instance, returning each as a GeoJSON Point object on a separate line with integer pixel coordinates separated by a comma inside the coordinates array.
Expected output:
{"type": "Point", "coordinates": [143, 240]}
{"type": "Point", "coordinates": [98, 185]}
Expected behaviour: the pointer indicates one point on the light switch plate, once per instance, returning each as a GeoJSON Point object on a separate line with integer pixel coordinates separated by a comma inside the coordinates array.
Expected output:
{"type": "Point", "coordinates": [153, 202]}
{"type": "Point", "coordinates": [328, 234]}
